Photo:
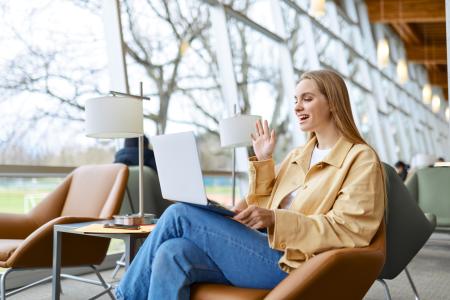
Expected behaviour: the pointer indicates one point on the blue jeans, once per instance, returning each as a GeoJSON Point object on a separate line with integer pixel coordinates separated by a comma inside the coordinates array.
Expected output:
{"type": "Point", "coordinates": [191, 245]}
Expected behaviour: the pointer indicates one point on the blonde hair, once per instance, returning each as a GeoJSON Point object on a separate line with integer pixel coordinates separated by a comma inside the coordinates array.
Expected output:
{"type": "Point", "coordinates": [333, 87]}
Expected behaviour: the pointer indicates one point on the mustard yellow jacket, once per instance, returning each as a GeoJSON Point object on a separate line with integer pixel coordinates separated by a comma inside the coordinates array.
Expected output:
{"type": "Point", "coordinates": [340, 201]}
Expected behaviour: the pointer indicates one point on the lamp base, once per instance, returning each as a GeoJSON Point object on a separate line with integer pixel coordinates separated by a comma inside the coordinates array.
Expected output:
{"type": "Point", "coordinates": [134, 219]}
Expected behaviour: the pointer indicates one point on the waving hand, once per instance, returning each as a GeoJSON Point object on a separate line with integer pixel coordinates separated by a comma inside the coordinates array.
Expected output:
{"type": "Point", "coordinates": [263, 141]}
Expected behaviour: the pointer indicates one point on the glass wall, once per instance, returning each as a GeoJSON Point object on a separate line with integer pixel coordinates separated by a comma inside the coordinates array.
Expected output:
{"type": "Point", "coordinates": [172, 47]}
{"type": "Point", "coordinates": [50, 62]}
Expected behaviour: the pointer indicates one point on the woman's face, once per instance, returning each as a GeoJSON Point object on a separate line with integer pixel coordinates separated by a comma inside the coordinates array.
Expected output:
{"type": "Point", "coordinates": [311, 107]}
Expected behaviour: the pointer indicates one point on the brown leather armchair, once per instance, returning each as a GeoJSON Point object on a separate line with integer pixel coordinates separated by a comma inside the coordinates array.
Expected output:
{"type": "Point", "coordinates": [88, 193]}
{"type": "Point", "coordinates": [344, 273]}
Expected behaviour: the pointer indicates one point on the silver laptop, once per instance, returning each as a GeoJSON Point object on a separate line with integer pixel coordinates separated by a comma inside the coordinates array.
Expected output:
{"type": "Point", "coordinates": [179, 171]}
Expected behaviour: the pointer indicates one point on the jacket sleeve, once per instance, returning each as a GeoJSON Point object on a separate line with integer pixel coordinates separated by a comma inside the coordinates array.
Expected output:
{"type": "Point", "coordinates": [262, 180]}
{"type": "Point", "coordinates": [352, 221]}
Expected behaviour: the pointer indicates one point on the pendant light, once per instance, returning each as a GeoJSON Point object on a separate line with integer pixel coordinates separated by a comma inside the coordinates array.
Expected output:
{"type": "Point", "coordinates": [382, 46]}
{"type": "Point", "coordinates": [383, 53]}
{"type": "Point", "coordinates": [435, 103]}
{"type": "Point", "coordinates": [402, 71]}
{"type": "Point", "coordinates": [317, 8]}
{"type": "Point", "coordinates": [447, 114]}
{"type": "Point", "coordinates": [427, 93]}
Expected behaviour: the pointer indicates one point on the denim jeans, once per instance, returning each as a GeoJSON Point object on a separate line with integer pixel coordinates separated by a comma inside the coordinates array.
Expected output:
{"type": "Point", "coordinates": [191, 245]}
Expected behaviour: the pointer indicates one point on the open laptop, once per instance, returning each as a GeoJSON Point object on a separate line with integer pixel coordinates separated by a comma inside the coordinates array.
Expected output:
{"type": "Point", "coordinates": [179, 171]}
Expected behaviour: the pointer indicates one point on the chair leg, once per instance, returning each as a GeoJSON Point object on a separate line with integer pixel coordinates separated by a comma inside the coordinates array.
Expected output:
{"type": "Point", "coordinates": [3, 284]}
{"type": "Point", "coordinates": [386, 289]}
{"type": "Point", "coordinates": [119, 264]}
{"type": "Point", "coordinates": [416, 295]}
{"type": "Point", "coordinates": [105, 285]}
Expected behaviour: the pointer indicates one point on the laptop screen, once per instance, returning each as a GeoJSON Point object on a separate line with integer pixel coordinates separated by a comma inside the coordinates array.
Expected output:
{"type": "Point", "coordinates": [179, 170]}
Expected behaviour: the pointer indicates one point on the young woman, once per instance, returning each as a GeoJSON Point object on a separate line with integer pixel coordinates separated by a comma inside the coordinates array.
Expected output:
{"type": "Point", "coordinates": [328, 194]}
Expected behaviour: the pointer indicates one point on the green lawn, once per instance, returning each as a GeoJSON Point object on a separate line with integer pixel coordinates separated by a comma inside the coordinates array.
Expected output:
{"type": "Point", "coordinates": [12, 200]}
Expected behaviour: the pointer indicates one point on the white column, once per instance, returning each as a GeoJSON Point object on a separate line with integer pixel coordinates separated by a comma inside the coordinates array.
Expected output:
{"type": "Point", "coordinates": [114, 46]}
{"type": "Point", "coordinates": [228, 82]}
{"type": "Point", "coordinates": [380, 141]}
{"type": "Point", "coordinates": [287, 73]}
{"type": "Point", "coordinates": [402, 135]}
{"type": "Point", "coordinates": [224, 59]}
{"type": "Point", "coordinates": [447, 26]}
{"type": "Point", "coordinates": [340, 58]}
{"type": "Point", "coordinates": [311, 51]}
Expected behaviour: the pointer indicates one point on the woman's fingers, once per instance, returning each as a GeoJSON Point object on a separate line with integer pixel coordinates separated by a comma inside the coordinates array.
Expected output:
{"type": "Point", "coordinates": [243, 215]}
{"type": "Point", "coordinates": [258, 128]}
{"type": "Point", "coordinates": [262, 128]}
{"type": "Point", "coordinates": [266, 128]}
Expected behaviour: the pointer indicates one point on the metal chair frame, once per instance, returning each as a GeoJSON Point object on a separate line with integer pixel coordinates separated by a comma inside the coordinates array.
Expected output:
{"type": "Point", "coordinates": [100, 282]}
{"type": "Point", "coordinates": [411, 282]}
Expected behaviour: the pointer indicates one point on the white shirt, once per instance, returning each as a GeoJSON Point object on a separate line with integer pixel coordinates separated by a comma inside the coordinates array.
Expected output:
{"type": "Point", "coordinates": [317, 155]}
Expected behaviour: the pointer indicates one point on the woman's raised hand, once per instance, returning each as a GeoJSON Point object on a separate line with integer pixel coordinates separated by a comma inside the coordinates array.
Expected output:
{"type": "Point", "coordinates": [263, 141]}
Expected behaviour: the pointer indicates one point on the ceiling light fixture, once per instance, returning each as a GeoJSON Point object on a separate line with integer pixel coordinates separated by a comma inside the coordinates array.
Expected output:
{"type": "Point", "coordinates": [402, 71]}
{"type": "Point", "coordinates": [317, 8]}
{"type": "Point", "coordinates": [435, 103]}
{"type": "Point", "coordinates": [427, 93]}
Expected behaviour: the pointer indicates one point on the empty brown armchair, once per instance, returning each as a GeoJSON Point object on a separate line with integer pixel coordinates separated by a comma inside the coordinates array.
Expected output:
{"type": "Point", "coordinates": [88, 193]}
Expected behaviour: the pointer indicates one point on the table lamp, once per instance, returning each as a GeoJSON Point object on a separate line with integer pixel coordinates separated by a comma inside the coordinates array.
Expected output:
{"type": "Point", "coordinates": [235, 132]}
{"type": "Point", "coordinates": [120, 116]}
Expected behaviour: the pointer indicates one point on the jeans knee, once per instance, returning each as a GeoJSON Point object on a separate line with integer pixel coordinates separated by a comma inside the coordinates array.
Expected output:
{"type": "Point", "coordinates": [173, 210]}
{"type": "Point", "coordinates": [170, 252]}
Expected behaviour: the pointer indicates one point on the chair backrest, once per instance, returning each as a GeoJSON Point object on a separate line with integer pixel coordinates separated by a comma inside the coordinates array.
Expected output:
{"type": "Point", "coordinates": [153, 200]}
{"type": "Point", "coordinates": [95, 191]}
{"type": "Point", "coordinates": [407, 227]}
{"type": "Point", "coordinates": [431, 189]}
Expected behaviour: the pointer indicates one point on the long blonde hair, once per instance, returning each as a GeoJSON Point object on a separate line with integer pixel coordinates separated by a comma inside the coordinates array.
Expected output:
{"type": "Point", "coordinates": [333, 87]}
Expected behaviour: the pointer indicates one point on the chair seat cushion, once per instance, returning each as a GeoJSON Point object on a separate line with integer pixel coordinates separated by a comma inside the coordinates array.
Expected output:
{"type": "Point", "coordinates": [225, 292]}
{"type": "Point", "coordinates": [7, 248]}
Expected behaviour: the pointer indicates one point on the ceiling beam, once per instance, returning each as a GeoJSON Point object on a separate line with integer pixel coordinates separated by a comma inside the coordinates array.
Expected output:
{"type": "Point", "coordinates": [436, 54]}
{"type": "Point", "coordinates": [406, 11]}
{"type": "Point", "coordinates": [437, 77]}
{"type": "Point", "coordinates": [407, 33]}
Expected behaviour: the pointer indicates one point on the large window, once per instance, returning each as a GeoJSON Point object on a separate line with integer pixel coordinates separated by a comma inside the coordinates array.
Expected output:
{"type": "Point", "coordinates": [53, 57]}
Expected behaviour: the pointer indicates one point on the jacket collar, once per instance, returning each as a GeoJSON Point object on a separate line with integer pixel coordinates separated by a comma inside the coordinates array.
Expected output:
{"type": "Point", "coordinates": [335, 157]}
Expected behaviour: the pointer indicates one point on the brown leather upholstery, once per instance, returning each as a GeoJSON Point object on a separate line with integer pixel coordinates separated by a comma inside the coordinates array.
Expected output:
{"type": "Point", "coordinates": [336, 274]}
{"type": "Point", "coordinates": [88, 193]}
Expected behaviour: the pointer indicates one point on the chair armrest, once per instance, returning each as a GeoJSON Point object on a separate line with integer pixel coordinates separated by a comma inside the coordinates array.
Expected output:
{"type": "Point", "coordinates": [16, 226]}
{"type": "Point", "coordinates": [330, 275]}
{"type": "Point", "coordinates": [36, 249]}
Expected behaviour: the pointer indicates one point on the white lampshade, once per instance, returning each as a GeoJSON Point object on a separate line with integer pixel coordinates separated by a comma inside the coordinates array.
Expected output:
{"type": "Point", "coordinates": [427, 93]}
{"type": "Point", "coordinates": [317, 8]}
{"type": "Point", "coordinates": [402, 71]}
{"type": "Point", "coordinates": [235, 131]}
{"type": "Point", "coordinates": [435, 103]}
{"type": "Point", "coordinates": [383, 53]}
{"type": "Point", "coordinates": [114, 117]}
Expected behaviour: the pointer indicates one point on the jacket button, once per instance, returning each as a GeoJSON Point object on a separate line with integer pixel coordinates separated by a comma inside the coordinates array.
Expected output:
{"type": "Point", "coordinates": [283, 245]}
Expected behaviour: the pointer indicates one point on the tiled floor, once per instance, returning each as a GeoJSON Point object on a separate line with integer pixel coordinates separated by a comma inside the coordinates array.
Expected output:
{"type": "Point", "coordinates": [430, 270]}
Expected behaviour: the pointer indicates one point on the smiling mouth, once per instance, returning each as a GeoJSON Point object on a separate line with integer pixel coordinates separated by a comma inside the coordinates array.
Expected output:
{"type": "Point", "coordinates": [303, 117]}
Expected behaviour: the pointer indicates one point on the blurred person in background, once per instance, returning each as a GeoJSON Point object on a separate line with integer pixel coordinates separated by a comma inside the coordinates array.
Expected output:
{"type": "Point", "coordinates": [402, 169]}
{"type": "Point", "coordinates": [129, 154]}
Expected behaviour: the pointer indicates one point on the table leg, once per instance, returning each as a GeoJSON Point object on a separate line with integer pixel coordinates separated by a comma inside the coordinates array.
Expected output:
{"type": "Point", "coordinates": [130, 250]}
{"type": "Point", "coordinates": [56, 272]}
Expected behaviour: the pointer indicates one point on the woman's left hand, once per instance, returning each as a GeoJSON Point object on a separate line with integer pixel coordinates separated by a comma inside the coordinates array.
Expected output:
{"type": "Point", "coordinates": [256, 217]}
